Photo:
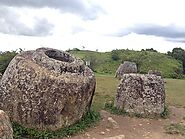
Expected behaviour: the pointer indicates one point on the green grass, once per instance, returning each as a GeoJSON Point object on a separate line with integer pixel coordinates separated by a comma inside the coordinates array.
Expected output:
{"type": "Point", "coordinates": [103, 63]}
{"type": "Point", "coordinates": [89, 120]}
{"type": "Point", "coordinates": [107, 86]}
{"type": "Point", "coordinates": [109, 106]}
{"type": "Point", "coordinates": [175, 92]}
{"type": "Point", "coordinates": [175, 129]}
{"type": "Point", "coordinates": [105, 90]}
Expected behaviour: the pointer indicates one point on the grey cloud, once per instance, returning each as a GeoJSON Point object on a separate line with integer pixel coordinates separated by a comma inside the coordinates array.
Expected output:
{"type": "Point", "coordinates": [182, 40]}
{"type": "Point", "coordinates": [80, 7]}
{"type": "Point", "coordinates": [170, 32]}
{"type": "Point", "coordinates": [10, 24]}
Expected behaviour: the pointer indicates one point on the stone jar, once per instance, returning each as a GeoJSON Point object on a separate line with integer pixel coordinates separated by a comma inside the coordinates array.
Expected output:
{"type": "Point", "coordinates": [125, 68]}
{"type": "Point", "coordinates": [141, 94]}
{"type": "Point", "coordinates": [46, 89]}
{"type": "Point", "coordinates": [6, 131]}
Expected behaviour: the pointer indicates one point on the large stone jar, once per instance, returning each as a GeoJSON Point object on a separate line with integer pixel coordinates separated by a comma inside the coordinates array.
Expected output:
{"type": "Point", "coordinates": [141, 94]}
{"type": "Point", "coordinates": [46, 89]}
{"type": "Point", "coordinates": [125, 68]}
{"type": "Point", "coordinates": [6, 131]}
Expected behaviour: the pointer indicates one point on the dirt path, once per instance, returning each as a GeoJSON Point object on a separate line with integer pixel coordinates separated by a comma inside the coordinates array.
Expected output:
{"type": "Point", "coordinates": [120, 127]}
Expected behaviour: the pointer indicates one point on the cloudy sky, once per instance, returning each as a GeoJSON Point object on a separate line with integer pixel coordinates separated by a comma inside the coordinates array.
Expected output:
{"type": "Point", "coordinates": [101, 25]}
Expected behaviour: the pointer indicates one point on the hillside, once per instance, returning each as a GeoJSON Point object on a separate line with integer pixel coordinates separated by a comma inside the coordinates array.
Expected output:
{"type": "Point", "coordinates": [108, 62]}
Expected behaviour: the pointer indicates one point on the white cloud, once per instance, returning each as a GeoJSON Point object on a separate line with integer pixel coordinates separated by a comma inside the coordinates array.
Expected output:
{"type": "Point", "coordinates": [70, 27]}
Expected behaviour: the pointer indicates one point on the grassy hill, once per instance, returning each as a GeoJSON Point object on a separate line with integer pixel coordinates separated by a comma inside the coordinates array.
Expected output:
{"type": "Point", "coordinates": [108, 62]}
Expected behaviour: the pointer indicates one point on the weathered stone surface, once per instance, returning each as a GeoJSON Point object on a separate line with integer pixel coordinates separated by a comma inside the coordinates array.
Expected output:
{"type": "Point", "coordinates": [141, 94]}
{"type": "Point", "coordinates": [125, 68]}
{"type": "Point", "coordinates": [6, 131]}
{"type": "Point", "coordinates": [46, 89]}
{"type": "Point", "coordinates": [155, 72]}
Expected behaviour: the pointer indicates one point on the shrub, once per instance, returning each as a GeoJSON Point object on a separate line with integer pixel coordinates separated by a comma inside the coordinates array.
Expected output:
{"type": "Point", "coordinates": [5, 58]}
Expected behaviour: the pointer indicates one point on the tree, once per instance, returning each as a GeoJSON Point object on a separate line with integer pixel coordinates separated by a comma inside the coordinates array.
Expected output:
{"type": "Point", "coordinates": [179, 54]}
{"type": "Point", "coordinates": [115, 55]}
{"type": "Point", "coordinates": [149, 50]}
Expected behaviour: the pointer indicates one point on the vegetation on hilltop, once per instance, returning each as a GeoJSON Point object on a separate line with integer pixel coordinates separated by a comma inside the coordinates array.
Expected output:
{"type": "Point", "coordinates": [5, 58]}
{"type": "Point", "coordinates": [149, 59]}
{"type": "Point", "coordinates": [172, 65]}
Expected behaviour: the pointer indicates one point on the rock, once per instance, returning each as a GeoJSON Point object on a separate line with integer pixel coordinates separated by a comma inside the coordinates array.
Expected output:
{"type": "Point", "coordinates": [155, 72]}
{"type": "Point", "coordinates": [141, 94]}
{"type": "Point", "coordinates": [0, 76]}
{"type": "Point", "coordinates": [125, 68]}
{"type": "Point", "coordinates": [116, 137]}
{"type": "Point", "coordinates": [108, 130]}
{"type": "Point", "coordinates": [102, 133]}
{"type": "Point", "coordinates": [88, 135]}
{"type": "Point", "coordinates": [6, 131]}
{"type": "Point", "coordinates": [46, 89]}
{"type": "Point", "coordinates": [113, 122]}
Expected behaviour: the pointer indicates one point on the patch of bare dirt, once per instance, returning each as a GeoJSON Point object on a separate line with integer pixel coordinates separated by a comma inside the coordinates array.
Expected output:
{"type": "Point", "coordinates": [124, 127]}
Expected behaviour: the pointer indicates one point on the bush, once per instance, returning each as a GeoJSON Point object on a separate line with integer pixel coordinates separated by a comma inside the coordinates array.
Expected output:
{"type": "Point", "coordinates": [5, 58]}
{"type": "Point", "coordinates": [115, 55]}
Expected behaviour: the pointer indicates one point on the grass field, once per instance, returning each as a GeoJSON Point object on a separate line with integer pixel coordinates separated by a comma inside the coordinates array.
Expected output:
{"type": "Point", "coordinates": [175, 92]}
{"type": "Point", "coordinates": [107, 85]}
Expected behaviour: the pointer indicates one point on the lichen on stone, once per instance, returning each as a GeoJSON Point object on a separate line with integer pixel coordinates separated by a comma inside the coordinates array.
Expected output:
{"type": "Point", "coordinates": [46, 89]}
{"type": "Point", "coordinates": [6, 131]}
{"type": "Point", "coordinates": [126, 68]}
{"type": "Point", "coordinates": [141, 94]}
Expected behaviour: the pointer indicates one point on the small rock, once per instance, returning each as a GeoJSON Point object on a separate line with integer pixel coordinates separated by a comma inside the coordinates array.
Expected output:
{"type": "Point", "coordinates": [140, 124]}
{"type": "Point", "coordinates": [88, 135]}
{"type": "Point", "coordinates": [102, 133]}
{"type": "Point", "coordinates": [108, 130]}
{"type": "Point", "coordinates": [113, 122]}
{"type": "Point", "coordinates": [116, 137]}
